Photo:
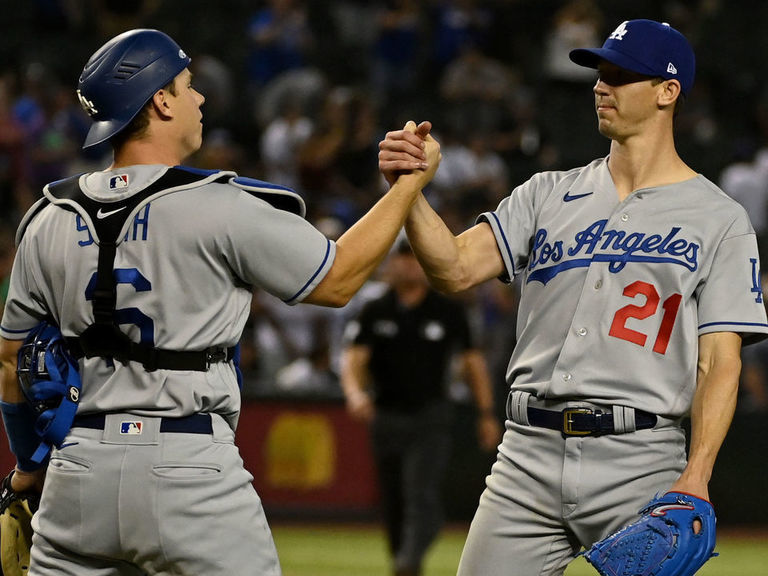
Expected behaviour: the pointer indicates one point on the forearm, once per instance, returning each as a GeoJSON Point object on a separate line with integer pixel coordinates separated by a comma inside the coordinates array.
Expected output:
{"type": "Point", "coordinates": [362, 248]}
{"type": "Point", "coordinates": [479, 381]}
{"type": "Point", "coordinates": [488, 425]}
{"type": "Point", "coordinates": [452, 263]}
{"type": "Point", "coordinates": [354, 372]}
{"type": "Point", "coordinates": [436, 247]}
{"type": "Point", "coordinates": [714, 404]}
{"type": "Point", "coordinates": [10, 391]}
{"type": "Point", "coordinates": [354, 382]}
{"type": "Point", "coordinates": [711, 415]}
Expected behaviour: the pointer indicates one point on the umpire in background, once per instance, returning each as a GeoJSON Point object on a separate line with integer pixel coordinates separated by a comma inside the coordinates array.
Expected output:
{"type": "Point", "coordinates": [403, 343]}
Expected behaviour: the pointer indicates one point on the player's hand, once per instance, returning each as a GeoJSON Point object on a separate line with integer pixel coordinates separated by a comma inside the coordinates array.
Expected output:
{"type": "Point", "coordinates": [28, 481]}
{"type": "Point", "coordinates": [488, 432]}
{"type": "Point", "coordinates": [697, 488]}
{"type": "Point", "coordinates": [419, 178]}
{"type": "Point", "coordinates": [359, 406]}
{"type": "Point", "coordinates": [403, 151]}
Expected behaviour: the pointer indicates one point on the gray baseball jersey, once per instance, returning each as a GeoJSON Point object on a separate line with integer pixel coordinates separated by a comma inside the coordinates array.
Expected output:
{"type": "Point", "coordinates": [614, 297]}
{"type": "Point", "coordinates": [128, 496]}
{"type": "Point", "coordinates": [615, 294]}
{"type": "Point", "coordinates": [185, 267]}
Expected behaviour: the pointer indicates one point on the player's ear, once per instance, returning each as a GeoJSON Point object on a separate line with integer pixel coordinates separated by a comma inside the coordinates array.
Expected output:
{"type": "Point", "coordinates": [669, 92]}
{"type": "Point", "coordinates": [161, 104]}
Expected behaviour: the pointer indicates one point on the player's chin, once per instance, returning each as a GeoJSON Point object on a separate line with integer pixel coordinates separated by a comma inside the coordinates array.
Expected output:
{"type": "Point", "coordinates": [605, 128]}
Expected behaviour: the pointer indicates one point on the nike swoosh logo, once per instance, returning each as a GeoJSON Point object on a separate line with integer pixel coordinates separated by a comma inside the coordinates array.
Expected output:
{"type": "Point", "coordinates": [569, 197]}
{"type": "Point", "coordinates": [68, 444]}
{"type": "Point", "coordinates": [101, 214]}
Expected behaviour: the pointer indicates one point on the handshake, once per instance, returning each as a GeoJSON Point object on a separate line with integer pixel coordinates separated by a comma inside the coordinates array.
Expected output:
{"type": "Point", "coordinates": [410, 153]}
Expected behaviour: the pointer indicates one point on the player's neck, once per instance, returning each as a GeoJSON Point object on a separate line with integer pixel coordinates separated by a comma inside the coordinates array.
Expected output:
{"type": "Point", "coordinates": [635, 164]}
{"type": "Point", "coordinates": [145, 151]}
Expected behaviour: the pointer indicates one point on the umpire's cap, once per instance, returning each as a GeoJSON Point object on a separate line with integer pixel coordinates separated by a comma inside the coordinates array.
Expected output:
{"type": "Point", "coordinates": [121, 77]}
{"type": "Point", "coordinates": [646, 47]}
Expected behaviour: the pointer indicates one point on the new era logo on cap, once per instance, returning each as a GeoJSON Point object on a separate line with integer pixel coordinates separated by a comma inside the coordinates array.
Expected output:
{"type": "Point", "coordinates": [647, 47]}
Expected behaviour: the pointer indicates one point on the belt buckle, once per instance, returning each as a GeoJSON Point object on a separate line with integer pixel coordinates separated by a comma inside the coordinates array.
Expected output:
{"type": "Point", "coordinates": [214, 355]}
{"type": "Point", "coordinates": [568, 421]}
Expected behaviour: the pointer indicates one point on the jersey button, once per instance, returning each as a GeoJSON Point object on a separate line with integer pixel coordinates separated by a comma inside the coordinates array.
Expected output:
{"type": "Point", "coordinates": [598, 284]}
{"type": "Point", "coordinates": [582, 332]}
{"type": "Point", "coordinates": [566, 376]}
{"type": "Point", "coordinates": [624, 217]}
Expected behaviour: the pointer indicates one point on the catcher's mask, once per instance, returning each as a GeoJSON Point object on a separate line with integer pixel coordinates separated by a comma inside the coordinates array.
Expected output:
{"type": "Point", "coordinates": [49, 379]}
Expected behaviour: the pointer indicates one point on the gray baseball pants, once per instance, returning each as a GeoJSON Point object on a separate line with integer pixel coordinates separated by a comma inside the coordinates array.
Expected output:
{"type": "Point", "coordinates": [547, 496]}
{"type": "Point", "coordinates": [117, 504]}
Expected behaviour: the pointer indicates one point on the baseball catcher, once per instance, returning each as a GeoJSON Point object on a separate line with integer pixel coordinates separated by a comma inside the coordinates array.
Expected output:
{"type": "Point", "coordinates": [667, 540]}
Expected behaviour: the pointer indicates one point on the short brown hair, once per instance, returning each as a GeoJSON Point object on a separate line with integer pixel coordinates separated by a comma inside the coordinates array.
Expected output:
{"type": "Point", "coordinates": [137, 127]}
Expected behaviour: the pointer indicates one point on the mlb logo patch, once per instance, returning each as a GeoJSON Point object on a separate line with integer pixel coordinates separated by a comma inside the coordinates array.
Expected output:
{"type": "Point", "coordinates": [118, 182]}
{"type": "Point", "coordinates": [132, 427]}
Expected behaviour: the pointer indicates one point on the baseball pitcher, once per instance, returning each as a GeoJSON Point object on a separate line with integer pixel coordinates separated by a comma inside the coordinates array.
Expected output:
{"type": "Point", "coordinates": [640, 281]}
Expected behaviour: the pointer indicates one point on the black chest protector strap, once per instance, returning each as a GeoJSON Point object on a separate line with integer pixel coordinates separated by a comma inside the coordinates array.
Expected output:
{"type": "Point", "coordinates": [104, 338]}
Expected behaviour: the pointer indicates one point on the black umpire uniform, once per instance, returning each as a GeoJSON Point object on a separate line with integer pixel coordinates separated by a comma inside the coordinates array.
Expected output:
{"type": "Point", "coordinates": [411, 349]}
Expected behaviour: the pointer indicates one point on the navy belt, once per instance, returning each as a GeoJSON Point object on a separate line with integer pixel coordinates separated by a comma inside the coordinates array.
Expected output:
{"type": "Point", "coordinates": [584, 421]}
{"type": "Point", "coordinates": [194, 424]}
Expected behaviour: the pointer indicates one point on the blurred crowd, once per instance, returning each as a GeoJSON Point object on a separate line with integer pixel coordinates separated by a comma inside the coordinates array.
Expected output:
{"type": "Point", "coordinates": [301, 92]}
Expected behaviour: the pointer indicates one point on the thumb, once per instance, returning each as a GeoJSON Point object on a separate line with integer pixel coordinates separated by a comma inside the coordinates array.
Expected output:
{"type": "Point", "coordinates": [424, 128]}
{"type": "Point", "coordinates": [410, 126]}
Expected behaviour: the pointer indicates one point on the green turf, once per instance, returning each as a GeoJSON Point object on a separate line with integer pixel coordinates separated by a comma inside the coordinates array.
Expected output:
{"type": "Point", "coordinates": [350, 550]}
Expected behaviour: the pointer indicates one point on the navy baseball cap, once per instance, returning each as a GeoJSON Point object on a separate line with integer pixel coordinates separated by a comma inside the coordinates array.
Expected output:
{"type": "Point", "coordinates": [646, 47]}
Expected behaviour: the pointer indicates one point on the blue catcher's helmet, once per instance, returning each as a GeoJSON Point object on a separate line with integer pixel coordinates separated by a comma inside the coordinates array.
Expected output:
{"type": "Point", "coordinates": [121, 77]}
{"type": "Point", "coordinates": [49, 379]}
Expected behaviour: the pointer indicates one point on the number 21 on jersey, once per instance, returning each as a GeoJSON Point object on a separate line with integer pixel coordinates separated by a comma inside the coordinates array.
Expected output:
{"type": "Point", "coordinates": [669, 310]}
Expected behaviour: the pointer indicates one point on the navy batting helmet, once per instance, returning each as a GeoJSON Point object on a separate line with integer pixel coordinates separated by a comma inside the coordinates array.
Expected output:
{"type": "Point", "coordinates": [121, 77]}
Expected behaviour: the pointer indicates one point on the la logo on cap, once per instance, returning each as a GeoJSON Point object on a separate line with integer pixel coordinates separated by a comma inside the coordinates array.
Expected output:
{"type": "Point", "coordinates": [618, 34]}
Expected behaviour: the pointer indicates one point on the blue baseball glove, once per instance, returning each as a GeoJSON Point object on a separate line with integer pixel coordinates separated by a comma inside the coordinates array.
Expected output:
{"type": "Point", "coordinates": [662, 542]}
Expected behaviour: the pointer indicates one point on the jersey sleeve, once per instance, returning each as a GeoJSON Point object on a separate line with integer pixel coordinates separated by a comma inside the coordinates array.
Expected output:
{"type": "Point", "coordinates": [277, 250]}
{"type": "Point", "coordinates": [731, 298]}
{"type": "Point", "coordinates": [24, 307]}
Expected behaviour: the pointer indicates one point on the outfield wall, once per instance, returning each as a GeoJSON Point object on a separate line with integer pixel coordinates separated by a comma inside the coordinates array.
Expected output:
{"type": "Point", "coordinates": [310, 460]}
